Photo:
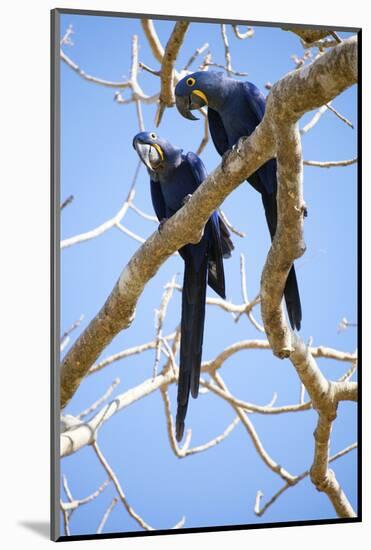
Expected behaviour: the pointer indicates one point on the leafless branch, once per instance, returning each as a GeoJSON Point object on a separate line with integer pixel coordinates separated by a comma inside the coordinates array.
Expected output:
{"type": "Point", "coordinates": [112, 222]}
{"type": "Point", "coordinates": [336, 113]}
{"type": "Point", "coordinates": [229, 71]}
{"type": "Point", "coordinates": [66, 335]}
{"type": "Point", "coordinates": [344, 324]}
{"type": "Point", "coordinates": [308, 35]}
{"type": "Point", "coordinates": [260, 511]}
{"type": "Point", "coordinates": [194, 56]}
{"type": "Point", "coordinates": [230, 226]}
{"type": "Point", "coordinates": [227, 52]}
{"type": "Point", "coordinates": [159, 321]}
{"type": "Point", "coordinates": [66, 38]}
{"type": "Point", "coordinates": [288, 245]}
{"type": "Point", "coordinates": [99, 401]}
{"type": "Point", "coordinates": [114, 479]}
{"type": "Point", "coordinates": [167, 98]}
{"type": "Point", "coordinates": [70, 506]}
{"type": "Point", "coordinates": [153, 39]}
{"type": "Point", "coordinates": [106, 515]}
{"type": "Point", "coordinates": [268, 460]}
{"type": "Point", "coordinates": [127, 353]}
{"type": "Point", "coordinates": [249, 33]}
{"type": "Point", "coordinates": [66, 202]}
{"type": "Point", "coordinates": [329, 164]}
{"type": "Point", "coordinates": [96, 80]}
{"type": "Point", "coordinates": [205, 138]}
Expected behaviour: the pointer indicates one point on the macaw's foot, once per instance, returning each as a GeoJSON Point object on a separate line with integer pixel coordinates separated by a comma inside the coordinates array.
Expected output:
{"type": "Point", "coordinates": [186, 199]}
{"type": "Point", "coordinates": [161, 224]}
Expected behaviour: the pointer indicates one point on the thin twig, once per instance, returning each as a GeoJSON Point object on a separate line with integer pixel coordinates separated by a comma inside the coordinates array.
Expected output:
{"type": "Point", "coordinates": [342, 117]}
{"type": "Point", "coordinates": [99, 401]}
{"type": "Point", "coordinates": [66, 335]}
{"type": "Point", "coordinates": [113, 477]}
{"type": "Point", "coordinates": [159, 321]}
{"type": "Point", "coordinates": [243, 35]}
{"type": "Point", "coordinates": [106, 515]}
{"type": "Point", "coordinates": [227, 52]}
{"type": "Point", "coordinates": [194, 56]}
{"type": "Point", "coordinates": [67, 201]}
{"type": "Point", "coordinates": [260, 511]}
{"type": "Point", "coordinates": [117, 218]}
{"type": "Point", "coordinates": [329, 164]}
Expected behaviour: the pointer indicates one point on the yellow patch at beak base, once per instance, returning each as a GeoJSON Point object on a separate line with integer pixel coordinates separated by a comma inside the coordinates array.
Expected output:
{"type": "Point", "coordinates": [201, 95]}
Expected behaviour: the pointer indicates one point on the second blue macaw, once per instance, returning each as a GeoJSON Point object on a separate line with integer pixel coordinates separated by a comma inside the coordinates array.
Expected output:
{"type": "Point", "coordinates": [174, 176]}
{"type": "Point", "coordinates": [234, 109]}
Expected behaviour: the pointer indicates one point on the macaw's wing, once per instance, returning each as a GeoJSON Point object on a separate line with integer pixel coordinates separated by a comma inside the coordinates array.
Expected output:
{"type": "Point", "coordinates": [192, 332]}
{"type": "Point", "coordinates": [263, 180]}
{"type": "Point", "coordinates": [256, 101]}
{"type": "Point", "coordinates": [158, 201]}
{"type": "Point", "coordinates": [217, 131]}
{"type": "Point", "coordinates": [218, 242]}
{"type": "Point", "coordinates": [197, 168]}
{"type": "Point", "coordinates": [253, 112]}
{"type": "Point", "coordinates": [220, 247]}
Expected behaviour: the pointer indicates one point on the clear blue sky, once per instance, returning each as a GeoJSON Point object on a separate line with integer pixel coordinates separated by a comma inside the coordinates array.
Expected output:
{"type": "Point", "coordinates": [97, 164]}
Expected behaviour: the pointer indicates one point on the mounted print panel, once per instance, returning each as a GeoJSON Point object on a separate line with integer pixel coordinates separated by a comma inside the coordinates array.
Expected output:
{"type": "Point", "coordinates": [205, 274]}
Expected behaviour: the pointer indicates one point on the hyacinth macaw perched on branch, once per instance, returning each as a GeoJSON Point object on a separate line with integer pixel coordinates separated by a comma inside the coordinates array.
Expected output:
{"type": "Point", "coordinates": [174, 176]}
{"type": "Point", "coordinates": [235, 108]}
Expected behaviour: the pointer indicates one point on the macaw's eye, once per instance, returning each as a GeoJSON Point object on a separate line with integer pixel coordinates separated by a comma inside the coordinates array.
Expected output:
{"type": "Point", "coordinates": [190, 81]}
{"type": "Point", "coordinates": [152, 135]}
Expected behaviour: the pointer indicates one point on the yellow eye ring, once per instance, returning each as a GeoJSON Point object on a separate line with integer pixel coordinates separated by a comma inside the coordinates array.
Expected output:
{"type": "Point", "coordinates": [152, 135]}
{"type": "Point", "coordinates": [190, 81]}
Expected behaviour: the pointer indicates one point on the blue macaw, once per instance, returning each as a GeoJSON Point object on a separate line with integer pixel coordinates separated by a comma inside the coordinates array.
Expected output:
{"type": "Point", "coordinates": [234, 109]}
{"type": "Point", "coordinates": [174, 176]}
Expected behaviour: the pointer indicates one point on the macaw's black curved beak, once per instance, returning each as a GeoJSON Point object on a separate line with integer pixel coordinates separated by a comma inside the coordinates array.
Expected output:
{"type": "Point", "coordinates": [147, 154]}
{"type": "Point", "coordinates": [184, 104]}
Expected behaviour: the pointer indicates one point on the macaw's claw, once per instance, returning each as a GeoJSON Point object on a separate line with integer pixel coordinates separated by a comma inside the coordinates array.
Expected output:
{"type": "Point", "coordinates": [161, 224]}
{"type": "Point", "coordinates": [186, 199]}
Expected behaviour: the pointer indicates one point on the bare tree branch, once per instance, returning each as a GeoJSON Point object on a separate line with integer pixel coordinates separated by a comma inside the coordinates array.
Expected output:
{"type": "Point", "coordinates": [67, 201]}
{"type": "Point", "coordinates": [153, 39]}
{"type": "Point", "coordinates": [227, 53]}
{"type": "Point", "coordinates": [106, 515]}
{"type": "Point", "coordinates": [243, 35]}
{"type": "Point", "coordinates": [114, 221]}
{"type": "Point", "coordinates": [66, 335]}
{"type": "Point", "coordinates": [288, 244]}
{"type": "Point", "coordinates": [167, 98]}
{"type": "Point", "coordinates": [260, 511]}
{"type": "Point", "coordinates": [308, 35]}
{"type": "Point", "coordinates": [336, 113]}
{"type": "Point", "coordinates": [329, 164]}
{"type": "Point", "coordinates": [113, 477]}
{"type": "Point", "coordinates": [194, 56]}
{"type": "Point", "coordinates": [267, 459]}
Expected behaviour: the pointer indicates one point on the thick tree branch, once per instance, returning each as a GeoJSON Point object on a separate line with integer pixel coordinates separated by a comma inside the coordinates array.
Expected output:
{"type": "Point", "coordinates": [167, 98]}
{"type": "Point", "coordinates": [309, 35]}
{"type": "Point", "coordinates": [336, 70]}
{"type": "Point", "coordinates": [298, 92]}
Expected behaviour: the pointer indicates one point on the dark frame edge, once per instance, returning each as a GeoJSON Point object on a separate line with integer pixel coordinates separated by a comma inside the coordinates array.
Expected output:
{"type": "Point", "coordinates": [359, 271]}
{"type": "Point", "coordinates": [170, 17]}
{"type": "Point", "coordinates": [54, 272]}
{"type": "Point", "coordinates": [213, 529]}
